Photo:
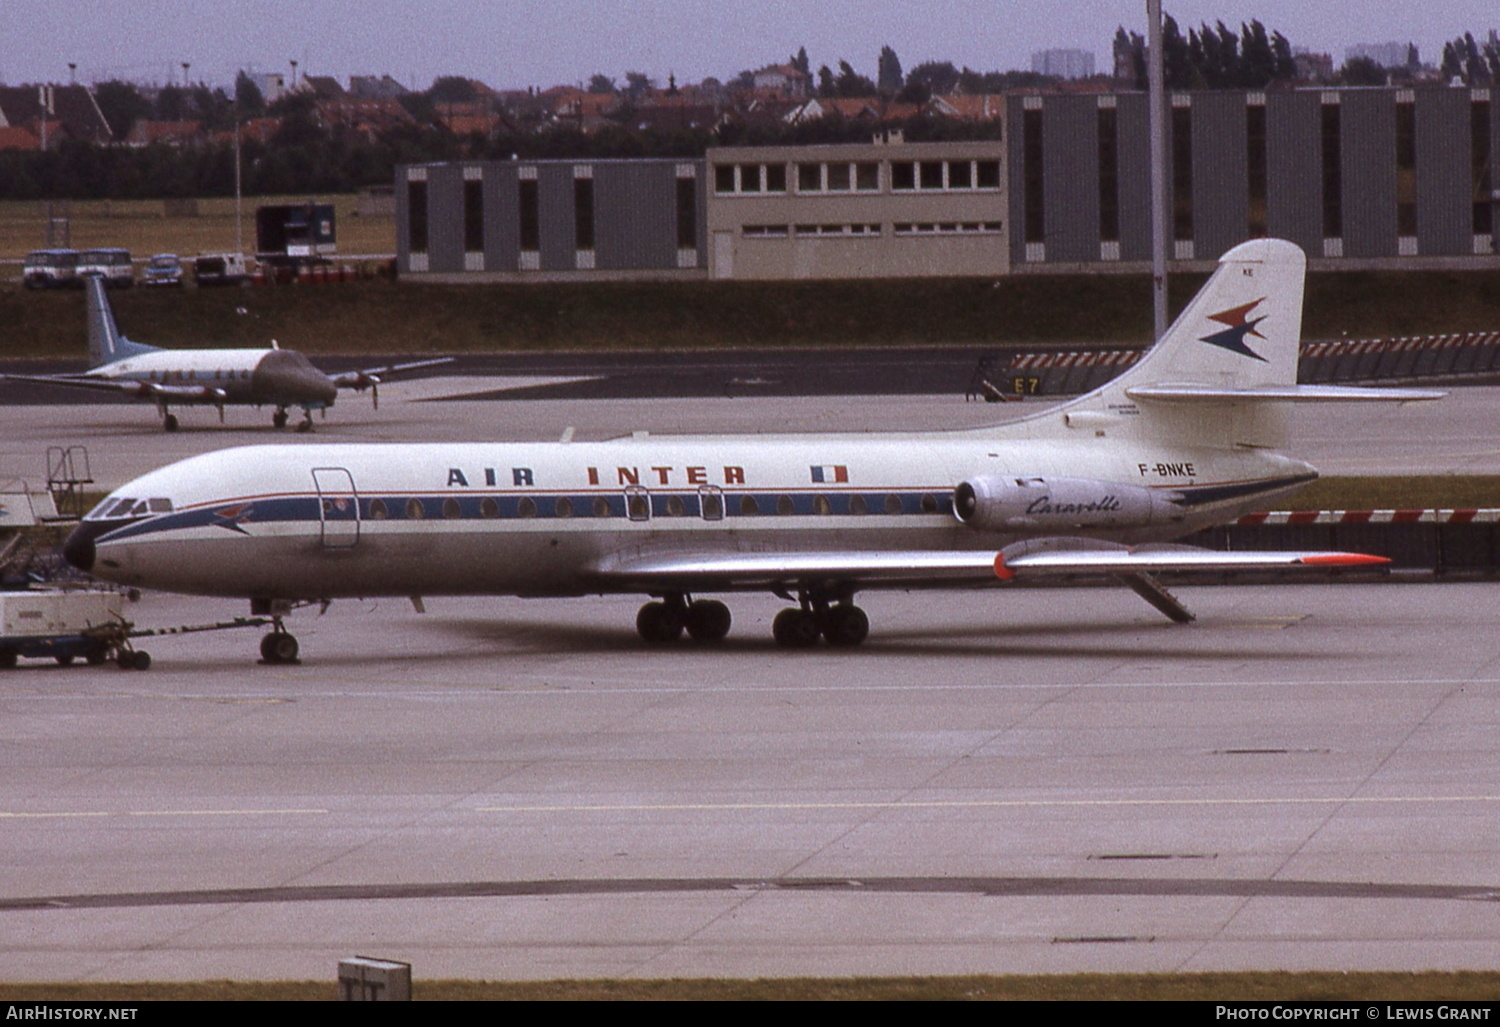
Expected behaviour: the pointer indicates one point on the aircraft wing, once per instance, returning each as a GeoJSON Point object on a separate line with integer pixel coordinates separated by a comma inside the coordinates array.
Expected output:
{"type": "Point", "coordinates": [369, 376]}
{"type": "Point", "coordinates": [786, 571]}
{"type": "Point", "coordinates": [131, 387]}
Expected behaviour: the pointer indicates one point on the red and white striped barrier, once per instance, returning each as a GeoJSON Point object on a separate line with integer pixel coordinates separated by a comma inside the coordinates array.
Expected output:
{"type": "Point", "coordinates": [1438, 516]}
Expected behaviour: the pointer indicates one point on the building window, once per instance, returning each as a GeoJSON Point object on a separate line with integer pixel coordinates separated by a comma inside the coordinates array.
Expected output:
{"type": "Point", "coordinates": [583, 213]}
{"type": "Point", "coordinates": [1109, 176]}
{"type": "Point", "coordinates": [416, 217]}
{"type": "Point", "coordinates": [1033, 178]}
{"type": "Point", "coordinates": [473, 216]}
{"type": "Point", "coordinates": [730, 179]}
{"type": "Point", "coordinates": [764, 231]}
{"type": "Point", "coordinates": [1333, 180]}
{"type": "Point", "coordinates": [1182, 174]}
{"type": "Point", "coordinates": [687, 214]}
{"type": "Point", "coordinates": [1483, 178]}
{"type": "Point", "coordinates": [864, 231]}
{"type": "Point", "coordinates": [945, 175]}
{"type": "Point", "coordinates": [1255, 149]}
{"type": "Point", "coordinates": [947, 228]}
{"type": "Point", "coordinates": [1406, 169]}
{"type": "Point", "coordinates": [531, 222]}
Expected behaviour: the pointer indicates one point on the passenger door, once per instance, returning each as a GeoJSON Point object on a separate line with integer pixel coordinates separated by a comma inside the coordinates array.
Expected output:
{"type": "Point", "coordinates": [338, 507]}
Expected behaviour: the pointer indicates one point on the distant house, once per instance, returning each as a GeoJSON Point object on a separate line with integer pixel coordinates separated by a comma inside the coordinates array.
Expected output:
{"type": "Point", "coordinates": [74, 113]}
{"type": "Point", "coordinates": [676, 117]}
{"type": "Point", "coordinates": [569, 107]}
{"type": "Point", "coordinates": [870, 109]}
{"type": "Point", "coordinates": [177, 132]}
{"type": "Point", "coordinates": [784, 81]}
{"type": "Point", "coordinates": [366, 118]}
{"type": "Point", "coordinates": [370, 87]}
{"type": "Point", "coordinates": [19, 137]}
{"type": "Point", "coordinates": [961, 107]}
{"type": "Point", "coordinates": [324, 88]}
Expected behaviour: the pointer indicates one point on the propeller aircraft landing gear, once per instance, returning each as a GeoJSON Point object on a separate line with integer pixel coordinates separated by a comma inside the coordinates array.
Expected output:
{"type": "Point", "coordinates": [278, 419]}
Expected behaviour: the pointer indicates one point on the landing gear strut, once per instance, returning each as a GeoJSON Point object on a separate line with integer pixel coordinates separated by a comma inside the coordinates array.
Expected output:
{"type": "Point", "coordinates": [169, 422]}
{"type": "Point", "coordinates": [278, 419]}
{"type": "Point", "coordinates": [705, 620]}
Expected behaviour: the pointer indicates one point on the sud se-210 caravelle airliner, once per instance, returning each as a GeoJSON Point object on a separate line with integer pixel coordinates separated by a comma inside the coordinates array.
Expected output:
{"type": "Point", "coordinates": [1183, 440]}
{"type": "Point", "coordinates": [275, 377]}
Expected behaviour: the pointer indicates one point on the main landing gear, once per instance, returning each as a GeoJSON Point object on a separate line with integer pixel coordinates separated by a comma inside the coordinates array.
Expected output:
{"type": "Point", "coordinates": [705, 620]}
{"type": "Point", "coordinates": [841, 623]}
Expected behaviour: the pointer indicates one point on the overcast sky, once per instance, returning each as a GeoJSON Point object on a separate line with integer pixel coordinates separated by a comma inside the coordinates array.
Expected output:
{"type": "Point", "coordinates": [518, 43]}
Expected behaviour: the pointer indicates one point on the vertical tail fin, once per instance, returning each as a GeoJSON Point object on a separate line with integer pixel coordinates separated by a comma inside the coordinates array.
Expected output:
{"type": "Point", "coordinates": [1241, 331]}
{"type": "Point", "coordinates": [106, 344]}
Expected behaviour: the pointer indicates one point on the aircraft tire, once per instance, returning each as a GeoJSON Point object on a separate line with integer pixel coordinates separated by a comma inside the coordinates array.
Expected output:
{"type": "Point", "coordinates": [278, 419]}
{"type": "Point", "coordinates": [7, 659]}
{"type": "Point", "coordinates": [708, 620]}
{"type": "Point", "coordinates": [94, 657]}
{"type": "Point", "coordinates": [140, 660]}
{"type": "Point", "coordinates": [795, 629]}
{"type": "Point", "coordinates": [659, 623]}
{"type": "Point", "coordinates": [169, 422]}
{"type": "Point", "coordinates": [279, 647]}
{"type": "Point", "coordinates": [846, 625]}
{"type": "Point", "coordinates": [63, 659]}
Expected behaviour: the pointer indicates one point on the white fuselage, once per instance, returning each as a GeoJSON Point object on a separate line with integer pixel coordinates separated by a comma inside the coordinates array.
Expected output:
{"type": "Point", "coordinates": [329, 521]}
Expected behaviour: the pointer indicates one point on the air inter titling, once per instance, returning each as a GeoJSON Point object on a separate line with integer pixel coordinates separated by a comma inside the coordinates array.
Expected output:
{"type": "Point", "coordinates": [523, 476]}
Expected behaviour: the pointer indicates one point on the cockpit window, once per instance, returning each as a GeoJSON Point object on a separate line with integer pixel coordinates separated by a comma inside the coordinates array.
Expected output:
{"type": "Point", "coordinates": [113, 508]}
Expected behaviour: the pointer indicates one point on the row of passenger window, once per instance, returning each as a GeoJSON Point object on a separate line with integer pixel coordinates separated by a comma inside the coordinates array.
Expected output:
{"type": "Point", "coordinates": [192, 376]}
{"type": "Point", "coordinates": [640, 506]}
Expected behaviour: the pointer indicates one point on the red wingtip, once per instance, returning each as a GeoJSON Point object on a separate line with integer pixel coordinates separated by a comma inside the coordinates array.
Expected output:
{"type": "Point", "coordinates": [1002, 572]}
{"type": "Point", "coordinates": [1343, 560]}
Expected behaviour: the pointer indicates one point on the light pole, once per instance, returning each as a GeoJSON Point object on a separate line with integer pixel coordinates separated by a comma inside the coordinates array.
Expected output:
{"type": "Point", "coordinates": [1157, 100]}
{"type": "Point", "coordinates": [182, 111]}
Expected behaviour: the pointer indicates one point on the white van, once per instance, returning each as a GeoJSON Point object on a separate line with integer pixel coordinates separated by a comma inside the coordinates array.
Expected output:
{"type": "Point", "coordinates": [113, 265]}
{"type": "Point", "coordinates": [50, 269]}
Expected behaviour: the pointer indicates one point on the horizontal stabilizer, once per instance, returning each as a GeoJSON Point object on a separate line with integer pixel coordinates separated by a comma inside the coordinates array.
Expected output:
{"type": "Point", "coordinates": [1191, 393]}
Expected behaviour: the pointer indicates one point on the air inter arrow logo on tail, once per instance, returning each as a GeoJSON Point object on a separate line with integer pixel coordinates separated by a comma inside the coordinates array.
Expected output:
{"type": "Point", "coordinates": [1240, 325]}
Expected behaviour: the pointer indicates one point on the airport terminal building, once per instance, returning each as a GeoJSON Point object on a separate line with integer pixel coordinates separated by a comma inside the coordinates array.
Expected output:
{"type": "Point", "coordinates": [1359, 178]}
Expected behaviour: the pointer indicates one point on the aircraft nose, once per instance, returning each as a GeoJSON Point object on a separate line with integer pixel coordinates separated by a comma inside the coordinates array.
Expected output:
{"type": "Point", "coordinates": [78, 550]}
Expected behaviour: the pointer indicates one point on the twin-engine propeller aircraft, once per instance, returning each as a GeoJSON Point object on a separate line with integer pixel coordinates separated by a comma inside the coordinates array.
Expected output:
{"type": "Point", "coordinates": [280, 378]}
{"type": "Point", "coordinates": [1097, 485]}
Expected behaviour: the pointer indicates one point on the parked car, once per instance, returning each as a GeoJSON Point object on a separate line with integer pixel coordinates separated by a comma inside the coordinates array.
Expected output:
{"type": "Point", "coordinates": [220, 269]}
{"type": "Point", "coordinates": [112, 264]}
{"type": "Point", "coordinates": [162, 269]}
{"type": "Point", "coordinates": [50, 269]}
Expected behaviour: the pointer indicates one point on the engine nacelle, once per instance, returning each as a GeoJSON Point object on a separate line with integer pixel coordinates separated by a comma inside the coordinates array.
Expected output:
{"type": "Point", "coordinates": [990, 502]}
